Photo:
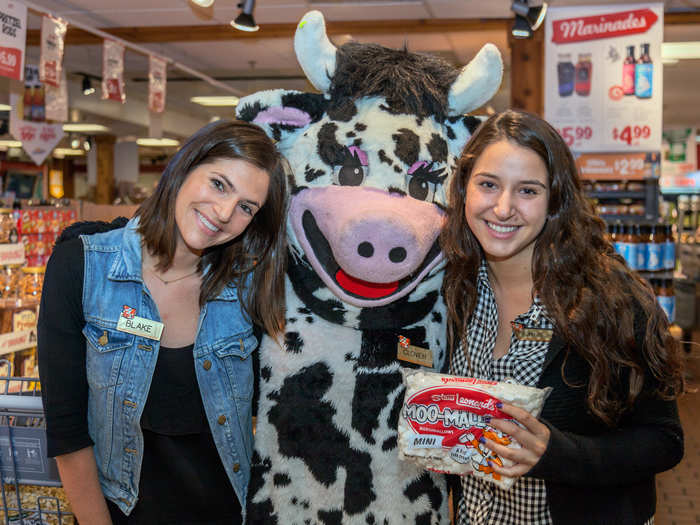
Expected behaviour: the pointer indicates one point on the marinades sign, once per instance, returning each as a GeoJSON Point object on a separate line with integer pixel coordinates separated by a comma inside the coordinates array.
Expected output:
{"type": "Point", "coordinates": [13, 19]}
{"type": "Point", "coordinates": [602, 26]}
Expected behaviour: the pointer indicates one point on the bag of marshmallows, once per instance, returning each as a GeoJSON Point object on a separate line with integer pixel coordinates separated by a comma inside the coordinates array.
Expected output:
{"type": "Point", "coordinates": [442, 419]}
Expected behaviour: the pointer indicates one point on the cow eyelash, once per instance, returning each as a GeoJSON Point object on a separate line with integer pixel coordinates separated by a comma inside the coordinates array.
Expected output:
{"type": "Point", "coordinates": [424, 172]}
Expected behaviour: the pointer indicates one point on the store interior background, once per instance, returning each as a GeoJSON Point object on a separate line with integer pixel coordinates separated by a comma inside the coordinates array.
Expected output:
{"type": "Point", "coordinates": [203, 39]}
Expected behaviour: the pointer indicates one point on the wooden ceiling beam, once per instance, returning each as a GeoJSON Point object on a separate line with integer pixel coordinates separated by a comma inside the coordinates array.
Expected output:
{"type": "Point", "coordinates": [204, 33]}
{"type": "Point", "coordinates": [207, 33]}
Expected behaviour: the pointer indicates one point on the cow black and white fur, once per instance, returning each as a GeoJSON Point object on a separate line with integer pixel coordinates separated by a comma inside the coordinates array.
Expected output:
{"type": "Point", "coordinates": [370, 159]}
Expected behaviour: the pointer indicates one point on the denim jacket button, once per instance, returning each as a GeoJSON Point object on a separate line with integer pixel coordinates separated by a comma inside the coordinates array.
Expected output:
{"type": "Point", "coordinates": [236, 467]}
{"type": "Point", "coordinates": [206, 364]}
{"type": "Point", "coordinates": [222, 419]}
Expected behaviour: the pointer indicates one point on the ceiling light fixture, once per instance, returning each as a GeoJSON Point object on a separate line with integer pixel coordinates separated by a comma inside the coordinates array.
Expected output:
{"type": "Point", "coordinates": [157, 142]}
{"type": "Point", "coordinates": [227, 100]}
{"type": "Point", "coordinates": [87, 86]}
{"type": "Point", "coordinates": [203, 3]}
{"type": "Point", "coordinates": [67, 152]}
{"type": "Point", "coordinates": [680, 50]}
{"type": "Point", "coordinates": [245, 21]}
{"type": "Point", "coordinates": [527, 19]}
{"type": "Point", "coordinates": [10, 144]}
{"type": "Point", "coordinates": [5, 107]}
{"type": "Point", "coordinates": [85, 128]}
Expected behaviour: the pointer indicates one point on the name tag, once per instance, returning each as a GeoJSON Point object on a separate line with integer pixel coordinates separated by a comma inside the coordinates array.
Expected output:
{"type": "Point", "coordinates": [413, 354]}
{"type": "Point", "coordinates": [525, 333]}
{"type": "Point", "coordinates": [141, 326]}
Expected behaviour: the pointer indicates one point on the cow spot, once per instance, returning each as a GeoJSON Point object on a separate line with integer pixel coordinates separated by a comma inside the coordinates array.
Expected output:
{"type": "Point", "coordinates": [330, 517]}
{"type": "Point", "coordinates": [281, 480]}
{"type": "Point", "coordinates": [293, 342]}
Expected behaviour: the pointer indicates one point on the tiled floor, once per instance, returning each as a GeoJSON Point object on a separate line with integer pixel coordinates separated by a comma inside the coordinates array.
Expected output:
{"type": "Point", "coordinates": [678, 490]}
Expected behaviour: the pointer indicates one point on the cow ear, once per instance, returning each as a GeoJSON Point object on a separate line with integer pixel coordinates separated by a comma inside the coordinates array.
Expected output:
{"type": "Point", "coordinates": [281, 112]}
{"type": "Point", "coordinates": [459, 131]}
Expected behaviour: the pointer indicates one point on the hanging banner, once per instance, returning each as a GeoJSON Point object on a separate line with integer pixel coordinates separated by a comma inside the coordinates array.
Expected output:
{"type": "Point", "coordinates": [32, 106]}
{"type": "Point", "coordinates": [13, 17]}
{"type": "Point", "coordinates": [53, 31]}
{"type": "Point", "coordinates": [38, 139]}
{"type": "Point", "coordinates": [603, 76]}
{"type": "Point", "coordinates": [57, 101]}
{"type": "Point", "coordinates": [156, 84]}
{"type": "Point", "coordinates": [113, 71]}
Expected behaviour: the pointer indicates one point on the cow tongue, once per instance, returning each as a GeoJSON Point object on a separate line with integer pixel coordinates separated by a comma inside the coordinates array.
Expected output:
{"type": "Point", "coordinates": [365, 288]}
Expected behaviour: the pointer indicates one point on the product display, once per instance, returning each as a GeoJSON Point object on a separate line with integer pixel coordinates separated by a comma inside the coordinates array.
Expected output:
{"type": "Point", "coordinates": [443, 418]}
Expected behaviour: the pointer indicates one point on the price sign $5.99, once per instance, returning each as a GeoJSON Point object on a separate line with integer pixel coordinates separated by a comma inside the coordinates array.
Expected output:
{"type": "Point", "coordinates": [631, 134]}
{"type": "Point", "coordinates": [575, 134]}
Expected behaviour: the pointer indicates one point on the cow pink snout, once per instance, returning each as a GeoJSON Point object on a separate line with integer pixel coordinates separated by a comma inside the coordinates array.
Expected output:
{"type": "Point", "coordinates": [373, 235]}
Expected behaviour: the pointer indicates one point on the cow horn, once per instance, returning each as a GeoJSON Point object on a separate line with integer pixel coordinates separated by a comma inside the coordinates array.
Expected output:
{"type": "Point", "coordinates": [314, 51]}
{"type": "Point", "coordinates": [477, 82]}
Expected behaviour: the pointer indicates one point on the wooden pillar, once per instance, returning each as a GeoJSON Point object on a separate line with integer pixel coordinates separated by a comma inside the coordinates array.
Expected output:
{"type": "Point", "coordinates": [527, 72]}
{"type": "Point", "coordinates": [68, 178]}
{"type": "Point", "coordinates": [104, 191]}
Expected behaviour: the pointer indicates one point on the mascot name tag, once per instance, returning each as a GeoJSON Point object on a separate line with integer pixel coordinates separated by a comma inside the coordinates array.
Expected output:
{"type": "Point", "coordinates": [131, 324]}
{"type": "Point", "coordinates": [405, 351]}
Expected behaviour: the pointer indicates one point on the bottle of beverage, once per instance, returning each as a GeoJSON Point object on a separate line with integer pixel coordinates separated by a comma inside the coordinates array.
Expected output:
{"type": "Point", "coordinates": [628, 245]}
{"type": "Point", "coordinates": [666, 298]}
{"type": "Point", "coordinates": [584, 70]}
{"type": "Point", "coordinates": [565, 75]}
{"type": "Point", "coordinates": [655, 248]}
{"type": "Point", "coordinates": [643, 74]}
{"type": "Point", "coordinates": [642, 231]}
{"type": "Point", "coordinates": [628, 72]}
{"type": "Point", "coordinates": [669, 248]}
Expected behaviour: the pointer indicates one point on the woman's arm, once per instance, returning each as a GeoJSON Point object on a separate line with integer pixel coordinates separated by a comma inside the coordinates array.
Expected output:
{"type": "Point", "coordinates": [78, 472]}
{"type": "Point", "coordinates": [649, 440]}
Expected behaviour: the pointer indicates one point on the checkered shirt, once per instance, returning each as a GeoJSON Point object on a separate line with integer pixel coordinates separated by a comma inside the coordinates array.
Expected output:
{"type": "Point", "coordinates": [483, 502]}
{"type": "Point", "coordinates": [526, 501]}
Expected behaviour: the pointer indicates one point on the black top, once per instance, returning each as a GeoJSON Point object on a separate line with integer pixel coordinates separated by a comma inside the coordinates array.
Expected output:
{"type": "Point", "coordinates": [182, 478]}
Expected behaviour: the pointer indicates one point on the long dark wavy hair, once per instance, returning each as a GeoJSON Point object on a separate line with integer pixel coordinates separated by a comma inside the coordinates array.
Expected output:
{"type": "Point", "coordinates": [260, 250]}
{"type": "Point", "coordinates": [589, 292]}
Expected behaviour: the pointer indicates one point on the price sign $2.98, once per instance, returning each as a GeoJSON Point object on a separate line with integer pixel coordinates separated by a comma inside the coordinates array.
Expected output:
{"type": "Point", "coordinates": [575, 134]}
{"type": "Point", "coordinates": [631, 134]}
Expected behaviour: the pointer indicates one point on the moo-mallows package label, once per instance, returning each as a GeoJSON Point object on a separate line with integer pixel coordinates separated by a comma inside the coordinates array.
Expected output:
{"type": "Point", "coordinates": [443, 417]}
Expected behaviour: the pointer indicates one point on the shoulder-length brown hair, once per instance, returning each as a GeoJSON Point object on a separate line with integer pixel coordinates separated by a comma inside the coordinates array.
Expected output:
{"type": "Point", "coordinates": [589, 292]}
{"type": "Point", "coordinates": [256, 257]}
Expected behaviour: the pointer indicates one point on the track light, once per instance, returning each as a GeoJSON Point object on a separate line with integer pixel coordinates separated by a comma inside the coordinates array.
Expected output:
{"type": "Point", "coordinates": [245, 20]}
{"type": "Point", "coordinates": [87, 86]}
{"type": "Point", "coordinates": [203, 3]}
{"type": "Point", "coordinates": [527, 19]}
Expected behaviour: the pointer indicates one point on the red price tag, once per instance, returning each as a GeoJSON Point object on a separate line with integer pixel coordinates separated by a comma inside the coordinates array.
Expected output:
{"type": "Point", "coordinates": [631, 134]}
{"type": "Point", "coordinates": [575, 134]}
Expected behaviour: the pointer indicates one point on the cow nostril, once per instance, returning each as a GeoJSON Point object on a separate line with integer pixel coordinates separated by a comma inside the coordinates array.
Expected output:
{"type": "Point", "coordinates": [397, 255]}
{"type": "Point", "coordinates": [365, 249]}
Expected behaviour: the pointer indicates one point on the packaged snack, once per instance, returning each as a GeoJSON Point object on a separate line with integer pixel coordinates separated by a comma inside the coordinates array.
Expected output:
{"type": "Point", "coordinates": [442, 419]}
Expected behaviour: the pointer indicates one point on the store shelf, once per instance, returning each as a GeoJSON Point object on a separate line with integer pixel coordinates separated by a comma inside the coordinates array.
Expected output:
{"type": "Point", "coordinates": [616, 194]}
{"type": "Point", "coordinates": [625, 218]}
{"type": "Point", "coordinates": [680, 190]}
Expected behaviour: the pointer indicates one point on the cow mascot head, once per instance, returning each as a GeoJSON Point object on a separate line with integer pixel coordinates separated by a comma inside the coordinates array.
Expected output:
{"type": "Point", "coordinates": [370, 159]}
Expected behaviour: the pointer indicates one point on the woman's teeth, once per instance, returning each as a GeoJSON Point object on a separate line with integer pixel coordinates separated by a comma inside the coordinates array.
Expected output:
{"type": "Point", "coordinates": [501, 229]}
{"type": "Point", "coordinates": [207, 223]}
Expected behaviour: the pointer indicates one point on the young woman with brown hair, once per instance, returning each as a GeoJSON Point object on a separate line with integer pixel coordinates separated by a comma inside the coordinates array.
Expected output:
{"type": "Point", "coordinates": [525, 250]}
{"type": "Point", "coordinates": [145, 338]}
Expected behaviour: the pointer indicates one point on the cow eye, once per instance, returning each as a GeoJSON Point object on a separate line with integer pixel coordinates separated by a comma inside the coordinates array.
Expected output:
{"type": "Point", "coordinates": [351, 172]}
{"type": "Point", "coordinates": [423, 180]}
{"type": "Point", "coordinates": [420, 189]}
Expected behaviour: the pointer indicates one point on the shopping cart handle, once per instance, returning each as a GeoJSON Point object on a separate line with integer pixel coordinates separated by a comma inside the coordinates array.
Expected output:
{"type": "Point", "coordinates": [24, 404]}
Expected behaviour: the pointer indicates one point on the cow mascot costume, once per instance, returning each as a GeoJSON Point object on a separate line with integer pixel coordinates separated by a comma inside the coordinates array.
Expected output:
{"type": "Point", "coordinates": [371, 157]}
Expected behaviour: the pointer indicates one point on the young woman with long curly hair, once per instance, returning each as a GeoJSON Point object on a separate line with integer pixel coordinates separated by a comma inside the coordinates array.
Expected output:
{"type": "Point", "coordinates": [525, 250]}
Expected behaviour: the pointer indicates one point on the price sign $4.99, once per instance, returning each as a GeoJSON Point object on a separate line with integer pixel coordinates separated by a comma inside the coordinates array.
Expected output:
{"type": "Point", "coordinates": [631, 134]}
{"type": "Point", "coordinates": [575, 134]}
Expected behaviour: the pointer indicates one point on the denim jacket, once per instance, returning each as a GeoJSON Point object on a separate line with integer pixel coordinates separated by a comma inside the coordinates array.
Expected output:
{"type": "Point", "coordinates": [120, 367]}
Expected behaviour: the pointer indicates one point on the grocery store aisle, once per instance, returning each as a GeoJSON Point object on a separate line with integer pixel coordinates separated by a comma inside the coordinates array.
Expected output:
{"type": "Point", "coordinates": [678, 490]}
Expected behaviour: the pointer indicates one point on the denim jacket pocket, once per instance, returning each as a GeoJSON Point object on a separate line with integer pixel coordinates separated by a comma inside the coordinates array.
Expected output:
{"type": "Point", "coordinates": [234, 353]}
{"type": "Point", "coordinates": [105, 349]}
